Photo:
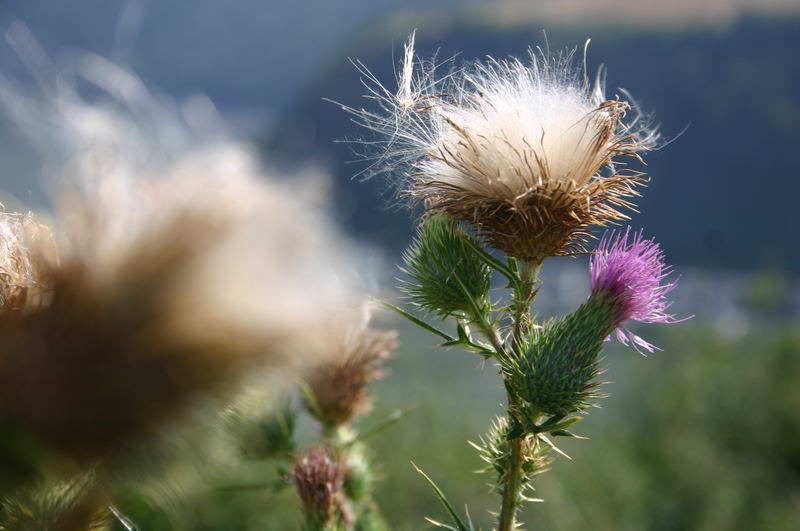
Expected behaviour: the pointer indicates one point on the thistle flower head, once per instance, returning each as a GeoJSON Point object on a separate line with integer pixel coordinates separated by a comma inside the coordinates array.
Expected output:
{"type": "Point", "coordinates": [338, 387]}
{"type": "Point", "coordinates": [631, 271]}
{"type": "Point", "coordinates": [319, 477]}
{"type": "Point", "coordinates": [527, 152]}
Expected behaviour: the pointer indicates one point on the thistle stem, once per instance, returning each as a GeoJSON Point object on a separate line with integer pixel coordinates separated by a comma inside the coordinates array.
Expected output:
{"type": "Point", "coordinates": [529, 273]}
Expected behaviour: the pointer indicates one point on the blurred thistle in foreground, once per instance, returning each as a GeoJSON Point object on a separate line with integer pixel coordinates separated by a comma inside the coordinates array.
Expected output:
{"type": "Point", "coordinates": [525, 158]}
{"type": "Point", "coordinates": [133, 324]}
{"type": "Point", "coordinates": [529, 154]}
{"type": "Point", "coordinates": [177, 268]}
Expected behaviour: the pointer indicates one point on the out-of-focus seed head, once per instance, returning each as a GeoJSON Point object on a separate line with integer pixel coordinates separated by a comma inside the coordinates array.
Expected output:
{"type": "Point", "coordinates": [630, 272]}
{"type": "Point", "coordinates": [338, 388]}
{"type": "Point", "coordinates": [530, 154]}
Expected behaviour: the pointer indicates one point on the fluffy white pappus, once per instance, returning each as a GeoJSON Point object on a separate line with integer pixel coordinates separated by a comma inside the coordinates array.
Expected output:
{"type": "Point", "coordinates": [498, 128]}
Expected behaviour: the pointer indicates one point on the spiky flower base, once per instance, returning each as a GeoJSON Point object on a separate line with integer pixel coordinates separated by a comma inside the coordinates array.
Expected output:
{"type": "Point", "coordinates": [545, 220]}
{"type": "Point", "coordinates": [554, 370]}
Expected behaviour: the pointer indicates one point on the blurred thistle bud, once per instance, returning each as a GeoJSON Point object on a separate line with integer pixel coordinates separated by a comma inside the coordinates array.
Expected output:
{"type": "Point", "coordinates": [527, 153]}
{"type": "Point", "coordinates": [629, 277]}
{"type": "Point", "coordinates": [319, 477]}
{"type": "Point", "coordinates": [337, 389]}
{"type": "Point", "coordinates": [447, 277]}
{"type": "Point", "coordinates": [270, 435]}
{"type": "Point", "coordinates": [360, 481]}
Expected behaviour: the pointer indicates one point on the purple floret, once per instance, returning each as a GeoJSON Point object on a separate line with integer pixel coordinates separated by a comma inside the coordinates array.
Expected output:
{"type": "Point", "coordinates": [631, 274]}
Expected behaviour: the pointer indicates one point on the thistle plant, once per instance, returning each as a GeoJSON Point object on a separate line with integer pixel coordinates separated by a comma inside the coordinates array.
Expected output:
{"type": "Point", "coordinates": [336, 394]}
{"type": "Point", "coordinates": [512, 163]}
{"type": "Point", "coordinates": [335, 475]}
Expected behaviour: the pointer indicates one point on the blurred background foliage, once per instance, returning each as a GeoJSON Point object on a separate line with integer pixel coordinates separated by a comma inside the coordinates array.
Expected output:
{"type": "Point", "coordinates": [705, 435]}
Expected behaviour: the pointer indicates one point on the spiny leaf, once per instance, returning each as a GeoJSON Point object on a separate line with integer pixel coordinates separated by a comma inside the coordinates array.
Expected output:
{"type": "Point", "coordinates": [494, 263]}
{"type": "Point", "coordinates": [565, 433]}
{"type": "Point", "coordinates": [387, 421]}
{"type": "Point", "coordinates": [553, 446]}
{"type": "Point", "coordinates": [460, 525]}
{"type": "Point", "coordinates": [422, 324]}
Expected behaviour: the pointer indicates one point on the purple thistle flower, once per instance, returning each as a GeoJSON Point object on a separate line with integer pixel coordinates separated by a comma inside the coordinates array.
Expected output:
{"type": "Point", "coordinates": [631, 275]}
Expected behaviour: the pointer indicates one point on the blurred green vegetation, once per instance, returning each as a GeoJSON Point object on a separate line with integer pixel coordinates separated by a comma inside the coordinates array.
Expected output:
{"type": "Point", "coordinates": [704, 435]}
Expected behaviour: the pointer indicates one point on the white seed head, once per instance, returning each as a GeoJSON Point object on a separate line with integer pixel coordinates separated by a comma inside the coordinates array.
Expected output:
{"type": "Point", "coordinates": [495, 139]}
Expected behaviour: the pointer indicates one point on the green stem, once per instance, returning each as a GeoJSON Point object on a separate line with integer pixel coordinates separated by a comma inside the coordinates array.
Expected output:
{"type": "Point", "coordinates": [529, 273]}
{"type": "Point", "coordinates": [508, 509]}
{"type": "Point", "coordinates": [491, 333]}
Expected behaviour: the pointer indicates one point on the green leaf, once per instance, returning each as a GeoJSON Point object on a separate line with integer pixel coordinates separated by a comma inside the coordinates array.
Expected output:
{"type": "Point", "coordinates": [558, 424]}
{"type": "Point", "coordinates": [477, 311]}
{"type": "Point", "coordinates": [555, 448]}
{"type": "Point", "coordinates": [487, 258]}
{"type": "Point", "coordinates": [460, 525]}
{"type": "Point", "coordinates": [387, 421]}
{"type": "Point", "coordinates": [565, 433]}
{"type": "Point", "coordinates": [422, 324]}
{"type": "Point", "coordinates": [440, 524]}
{"type": "Point", "coordinates": [552, 421]}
